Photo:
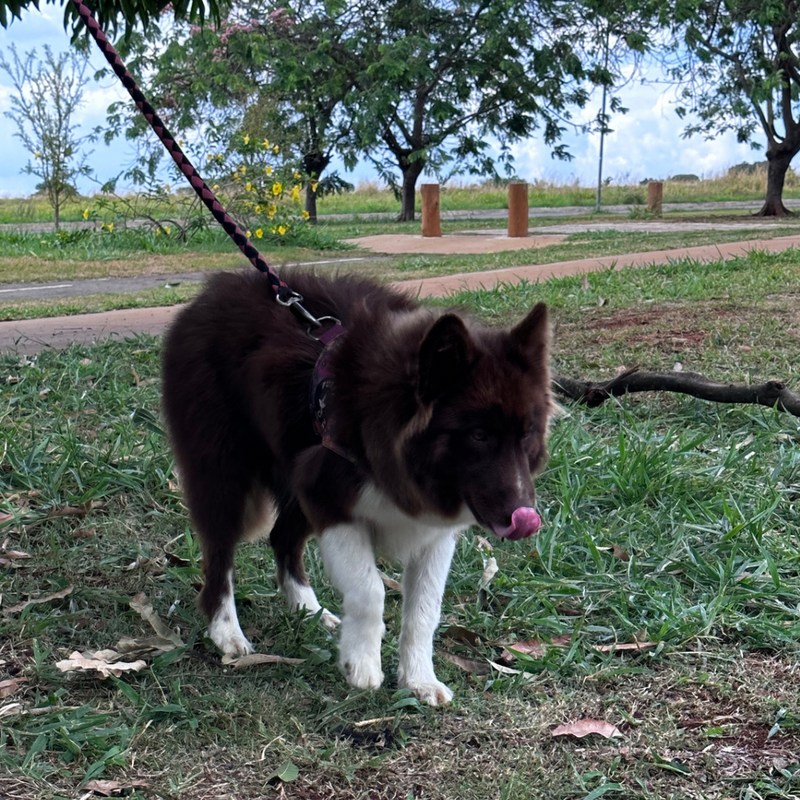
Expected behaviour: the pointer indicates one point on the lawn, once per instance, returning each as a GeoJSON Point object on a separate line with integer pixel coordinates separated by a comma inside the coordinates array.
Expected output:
{"type": "Point", "coordinates": [661, 597]}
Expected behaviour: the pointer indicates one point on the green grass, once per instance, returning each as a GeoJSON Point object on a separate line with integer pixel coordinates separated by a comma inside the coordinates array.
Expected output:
{"type": "Point", "coordinates": [704, 499]}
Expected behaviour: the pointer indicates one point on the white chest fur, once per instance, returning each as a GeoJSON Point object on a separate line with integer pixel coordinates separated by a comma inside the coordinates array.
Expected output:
{"type": "Point", "coordinates": [399, 536]}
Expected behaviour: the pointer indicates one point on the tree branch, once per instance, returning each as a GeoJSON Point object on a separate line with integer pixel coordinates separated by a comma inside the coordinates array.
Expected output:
{"type": "Point", "coordinates": [594, 393]}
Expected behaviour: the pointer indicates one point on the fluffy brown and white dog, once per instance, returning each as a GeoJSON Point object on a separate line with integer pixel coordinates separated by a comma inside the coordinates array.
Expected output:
{"type": "Point", "coordinates": [437, 424]}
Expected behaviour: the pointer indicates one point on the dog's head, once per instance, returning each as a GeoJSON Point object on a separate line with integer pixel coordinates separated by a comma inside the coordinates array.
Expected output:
{"type": "Point", "coordinates": [481, 428]}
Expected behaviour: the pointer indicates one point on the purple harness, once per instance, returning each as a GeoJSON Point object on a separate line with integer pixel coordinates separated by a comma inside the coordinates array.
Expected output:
{"type": "Point", "coordinates": [320, 392]}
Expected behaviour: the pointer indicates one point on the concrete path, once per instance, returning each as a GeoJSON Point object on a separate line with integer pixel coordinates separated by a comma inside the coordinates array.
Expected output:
{"type": "Point", "coordinates": [31, 336]}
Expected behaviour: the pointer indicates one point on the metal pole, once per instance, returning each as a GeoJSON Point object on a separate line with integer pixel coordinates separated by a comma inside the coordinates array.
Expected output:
{"type": "Point", "coordinates": [602, 133]}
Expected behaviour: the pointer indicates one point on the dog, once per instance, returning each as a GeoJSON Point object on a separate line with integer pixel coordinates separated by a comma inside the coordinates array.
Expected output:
{"type": "Point", "coordinates": [432, 423]}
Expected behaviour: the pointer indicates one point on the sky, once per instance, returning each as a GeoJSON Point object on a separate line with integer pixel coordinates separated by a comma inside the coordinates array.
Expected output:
{"type": "Point", "coordinates": [645, 143]}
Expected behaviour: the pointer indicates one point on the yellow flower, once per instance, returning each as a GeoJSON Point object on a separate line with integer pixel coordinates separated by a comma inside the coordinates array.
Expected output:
{"type": "Point", "coordinates": [249, 186]}
{"type": "Point", "coordinates": [210, 157]}
{"type": "Point", "coordinates": [259, 232]}
{"type": "Point", "coordinates": [248, 203]}
{"type": "Point", "coordinates": [246, 139]}
{"type": "Point", "coordinates": [281, 229]}
{"type": "Point", "coordinates": [296, 192]}
{"type": "Point", "coordinates": [272, 211]}
{"type": "Point", "coordinates": [215, 187]}
{"type": "Point", "coordinates": [219, 157]}
{"type": "Point", "coordinates": [236, 176]}
{"type": "Point", "coordinates": [306, 215]}
{"type": "Point", "coordinates": [268, 170]}
{"type": "Point", "coordinates": [168, 230]}
{"type": "Point", "coordinates": [296, 175]}
{"type": "Point", "coordinates": [37, 154]}
{"type": "Point", "coordinates": [265, 143]}
{"type": "Point", "coordinates": [158, 231]}
{"type": "Point", "coordinates": [276, 149]}
{"type": "Point", "coordinates": [277, 188]}
{"type": "Point", "coordinates": [111, 227]}
{"type": "Point", "coordinates": [258, 209]}
{"type": "Point", "coordinates": [248, 234]}
{"type": "Point", "coordinates": [314, 187]}
{"type": "Point", "coordinates": [86, 214]}
{"type": "Point", "coordinates": [243, 169]}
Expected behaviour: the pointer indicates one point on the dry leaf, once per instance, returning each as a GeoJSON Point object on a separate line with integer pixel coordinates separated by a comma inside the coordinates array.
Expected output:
{"type": "Point", "coordinates": [149, 645]}
{"type": "Point", "coordinates": [468, 664]}
{"type": "Point", "coordinates": [36, 600]}
{"type": "Point", "coordinates": [240, 662]}
{"type": "Point", "coordinates": [144, 608]}
{"type": "Point", "coordinates": [463, 635]}
{"type": "Point", "coordinates": [490, 569]}
{"type": "Point", "coordinates": [586, 727]}
{"type": "Point", "coordinates": [482, 543]}
{"type": "Point", "coordinates": [9, 686]}
{"type": "Point", "coordinates": [98, 662]}
{"type": "Point", "coordinates": [14, 555]}
{"type": "Point", "coordinates": [4, 517]}
{"type": "Point", "coordinates": [534, 648]}
{"type": "Point", "coordinates": [609, 648]}
{"type": "Point", "coordinates": [616, 551]}
{"type": "Point", "coordinates": [114, 788]}
{"type": "Point", "coordinates": [390, 583]}
{"type": "Point", "coordinates": [11, 708]}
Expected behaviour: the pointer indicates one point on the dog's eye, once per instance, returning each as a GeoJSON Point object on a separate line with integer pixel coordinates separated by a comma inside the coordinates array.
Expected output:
{"type": "Point", "coordinates": [480, 435]}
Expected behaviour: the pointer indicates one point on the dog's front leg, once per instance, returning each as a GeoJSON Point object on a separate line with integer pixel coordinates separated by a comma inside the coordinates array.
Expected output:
{"type": "Point", "coordinates": [424, 580]}
{"type": "Point", "coordinates": [350, 563]}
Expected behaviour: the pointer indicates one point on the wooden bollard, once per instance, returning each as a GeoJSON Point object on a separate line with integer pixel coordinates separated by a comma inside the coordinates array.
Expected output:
{"type": "Point", "coordinates": [431, 224]}
{"type": "Point", "coordinates": [655, 194]}
{"type": "Point", "coordinates": [517, 209]}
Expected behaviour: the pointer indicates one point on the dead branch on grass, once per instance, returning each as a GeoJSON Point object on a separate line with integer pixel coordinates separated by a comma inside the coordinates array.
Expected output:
{"type": "Point", "coordinates": [594, 393]}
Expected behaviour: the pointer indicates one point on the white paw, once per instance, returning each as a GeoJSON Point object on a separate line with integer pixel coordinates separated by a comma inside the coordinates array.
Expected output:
{"type": "Point", "coordinates": [361, 671]}
{"type": "Point", "coordinates": [434, 693]}
{"type": "Point", "coordinates": [229, 638]}
{"type": "Point", "coordinates": [329, 620]}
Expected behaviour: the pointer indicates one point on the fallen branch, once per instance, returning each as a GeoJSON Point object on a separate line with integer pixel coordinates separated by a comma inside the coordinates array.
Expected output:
{"type": "Point", "coordinates": [593, 393]}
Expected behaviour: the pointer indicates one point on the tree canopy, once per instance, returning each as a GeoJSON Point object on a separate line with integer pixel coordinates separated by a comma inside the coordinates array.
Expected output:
{"type": "Point", "coordinates": [738, 63]}
{"type": "Point", "coordinates": [111, 13]}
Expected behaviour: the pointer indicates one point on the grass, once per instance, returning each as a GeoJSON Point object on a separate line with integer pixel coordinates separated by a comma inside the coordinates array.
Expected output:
{"type": "Point", "coordinates": [370, 198]}
{"type": "Point", "coordinates": [703, 500]}
{"type": "Point", "coordinates": [84, 254]}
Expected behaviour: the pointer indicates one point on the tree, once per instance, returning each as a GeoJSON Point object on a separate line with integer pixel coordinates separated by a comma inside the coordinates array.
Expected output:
{"type": "Point", "coordinates": [109, 13]}
{"type": "Point", "coordinates": [435, 80]}
{"type": "Point", "coordinates": [738, 62]}
{"type": "Point", "coordinates": [244, 77]}
{"type": "Point", "coordinates": [47, 93]}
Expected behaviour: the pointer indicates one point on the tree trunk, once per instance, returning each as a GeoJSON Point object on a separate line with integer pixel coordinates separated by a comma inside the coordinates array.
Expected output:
{"type": "Point", "coordinates": [57, 212]}
{"type": "Point", "coordinates": [779, 160]}
{"type": "Point", "coordinates": [411, 171]}
{"type": "Point", "coordinates": [314, 165]}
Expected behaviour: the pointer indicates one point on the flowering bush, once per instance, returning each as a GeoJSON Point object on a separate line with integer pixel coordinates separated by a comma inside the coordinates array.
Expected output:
{"type": "Point", "coordinates": [263, 190]}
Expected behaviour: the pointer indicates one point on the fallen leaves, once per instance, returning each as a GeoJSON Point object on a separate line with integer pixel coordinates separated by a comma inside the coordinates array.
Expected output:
{"type": "Point", "coordinates": [587, 727]}
{"type": "Point", "coordinates": [144, 608]}
{"type": "Point", "coordinates": [7, 612]}
{"type": "Point", "coordinates": [10, 685]}
{"type": "Point", "coordinates": [106, 788]}
{"type": "Point", "coordinates": [104, 662]}
{"type": "Point", "coordinates": [254, 659]}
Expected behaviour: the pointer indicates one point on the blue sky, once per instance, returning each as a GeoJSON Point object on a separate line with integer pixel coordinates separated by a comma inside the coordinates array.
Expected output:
{"type": "Point", "coordinates": [646, 142]}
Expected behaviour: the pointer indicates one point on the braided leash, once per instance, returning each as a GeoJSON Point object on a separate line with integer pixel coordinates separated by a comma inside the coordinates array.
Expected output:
{"type": "Point", "coordinates": [284, 295]}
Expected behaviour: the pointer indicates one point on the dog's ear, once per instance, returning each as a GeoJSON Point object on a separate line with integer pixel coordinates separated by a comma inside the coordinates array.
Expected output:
{"type": "Point", "coordinates": [445, 356]}
{"type": "Point", "coordinates": [531, 337]}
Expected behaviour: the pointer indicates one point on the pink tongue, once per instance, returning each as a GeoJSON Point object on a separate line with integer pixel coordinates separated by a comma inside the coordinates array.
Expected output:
{"type": "Point", "coordinates": [524, 522]}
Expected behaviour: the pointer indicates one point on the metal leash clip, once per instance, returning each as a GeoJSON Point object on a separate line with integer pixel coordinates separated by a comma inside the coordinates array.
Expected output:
{"type": "Point", "coordinates": [294, 302]}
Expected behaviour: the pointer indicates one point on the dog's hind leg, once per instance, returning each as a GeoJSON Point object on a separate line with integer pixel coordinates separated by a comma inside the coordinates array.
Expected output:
{"type": "Point", "coordinates": [424, 579]}
{"type": "Point", "coordinates": [288, 539]}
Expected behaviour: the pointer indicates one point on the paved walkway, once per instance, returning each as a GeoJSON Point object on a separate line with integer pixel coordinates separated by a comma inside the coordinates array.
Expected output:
{"type": "Point", "coordinates": [31, 336]}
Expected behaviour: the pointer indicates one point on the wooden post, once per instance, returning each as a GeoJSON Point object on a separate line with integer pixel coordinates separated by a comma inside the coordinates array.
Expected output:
{"type": "Point", "coordinates": [655, 194]}
{"type": "Point", "coordinates": [517, 209]}
{"type": "Point", "coordinates": [431, 224]}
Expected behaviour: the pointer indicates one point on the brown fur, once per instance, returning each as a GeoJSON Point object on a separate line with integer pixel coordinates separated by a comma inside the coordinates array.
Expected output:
{"type": "Point", "coordinates": [436, 409]}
